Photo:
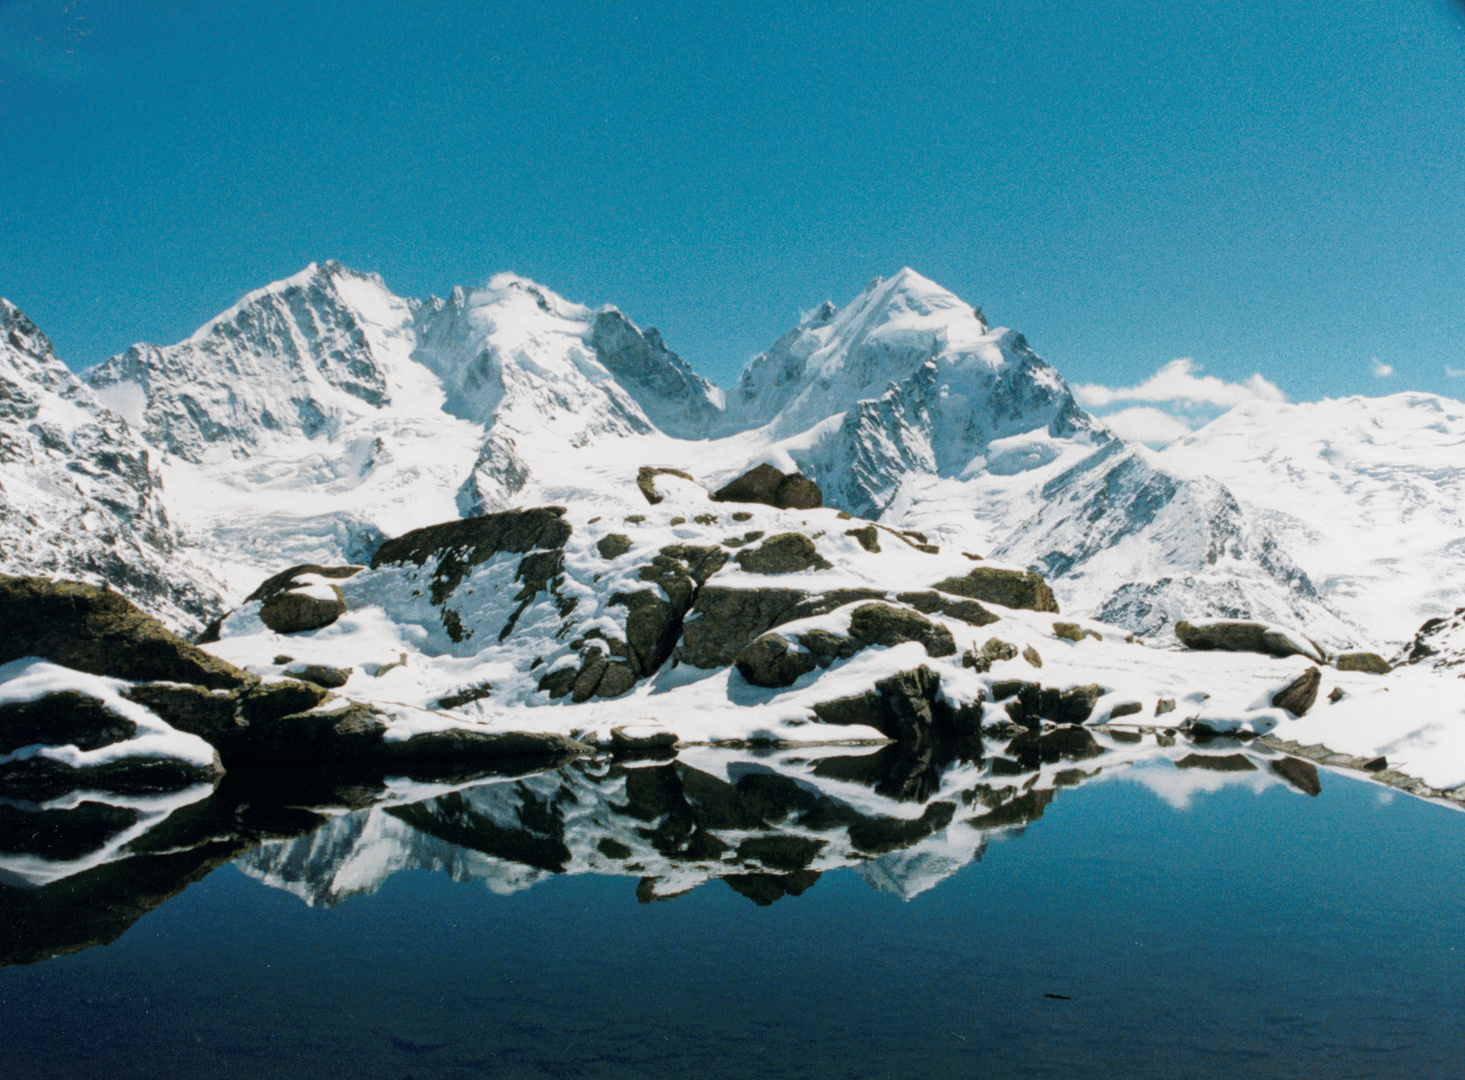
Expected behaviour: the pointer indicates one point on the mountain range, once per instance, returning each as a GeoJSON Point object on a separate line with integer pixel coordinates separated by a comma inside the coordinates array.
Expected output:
{"type": "Point", "coordinates": [321, 415]}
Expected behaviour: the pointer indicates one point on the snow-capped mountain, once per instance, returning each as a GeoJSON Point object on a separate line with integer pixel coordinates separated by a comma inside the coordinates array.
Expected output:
{"type": "Point", "coordinates": [1366, 494]}
{"type": "Point", "coordinates": [79, 491]}
{"type": "Point", "coordinates": [322, 414]}
{"type": "Point", "coordinates": [905, 405]}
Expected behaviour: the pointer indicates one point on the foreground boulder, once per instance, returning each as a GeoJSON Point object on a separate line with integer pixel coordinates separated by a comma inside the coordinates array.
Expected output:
{"type": "Point", "coordinates": [1372, 663]}
{"type": "Point", "coordinates": [97, 631]}
{"type": "Point", "coordinates": [767, 485]}
{"type": "Point", "coordinates": [1010, 588]}
{"type": "Point", "coordinates": [1237, 635]}
{"type": "Point", "coordinates": [1032, 703]}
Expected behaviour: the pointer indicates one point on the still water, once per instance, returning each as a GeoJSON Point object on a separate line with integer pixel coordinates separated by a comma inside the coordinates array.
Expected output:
{"type": "Point", "coordinates": [770, 917]}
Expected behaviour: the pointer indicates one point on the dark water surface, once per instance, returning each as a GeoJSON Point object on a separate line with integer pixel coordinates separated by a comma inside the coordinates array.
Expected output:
{"type": "Point", "coordinates": [1256, 933]}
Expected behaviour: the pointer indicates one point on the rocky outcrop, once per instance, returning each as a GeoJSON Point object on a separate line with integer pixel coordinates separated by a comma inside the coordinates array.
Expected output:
{"type": "Point", "coordinates": [1010, 588]}
{"type": "Point", "coordinates": [61, 719]}
{"type": "Point", "coordinates": [1033, 703]}
{"type": "Point", "coordinates": [907, 707]}
{"type": "Point", "coordinates": [724, 620]}
{"type": "Point", "coordinates": [454, 548]}
{"type": "Point", "coordinates": [776, 660]}
{"type": "Point", "coordinates": [95, 630]}
{"type": "Point", "coordinates": [767, 485]}
{"type": "Point", "coordinates": [786, 553]}
{"type": "Point", "coordinates": [1235, 635]}
{"type": "Point", "coordinates": [931, 602]}
{"type": "Point", "coordinates": [994, 651]}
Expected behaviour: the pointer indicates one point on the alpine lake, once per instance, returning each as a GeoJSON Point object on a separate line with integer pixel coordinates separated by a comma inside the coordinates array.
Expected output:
{"type": "Point", "coordinates": [1163, 909]}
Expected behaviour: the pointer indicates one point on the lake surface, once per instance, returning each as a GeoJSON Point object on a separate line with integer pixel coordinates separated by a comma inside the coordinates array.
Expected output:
{"type": "Point", "coordinates": [765, 916]}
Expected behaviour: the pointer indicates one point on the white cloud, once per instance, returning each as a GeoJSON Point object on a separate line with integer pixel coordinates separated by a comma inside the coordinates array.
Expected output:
{"type": "Point", "coordinates": [1454, 373]}
{"type": "Point", "coordinates": [1381, 370]}
{"type": "Point", "coordinates": [1178, 385]}
{"type": "Point", "coordinates": [1146, 424]}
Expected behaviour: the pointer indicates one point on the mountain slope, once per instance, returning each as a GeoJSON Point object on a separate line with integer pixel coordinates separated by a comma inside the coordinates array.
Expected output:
{"type": "Point", "coordinates": [1366, 494]}
{"type": "Point", "coordinates": [79, 495]}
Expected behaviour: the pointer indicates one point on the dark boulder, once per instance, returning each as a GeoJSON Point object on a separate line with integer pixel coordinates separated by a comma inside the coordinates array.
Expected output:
{"type": "Point", "coordinates": [212, 715]}
{"type": "Point", "coordinates": [1369, 662]}
{"type": "Point", "coordinates": [774, 661]}
{"type": "Point", "coordinates": [930, 602]}
{"type": "Point", "coordinates": [885, 624]}
{"type": "Point", "coordinates": [907, 707]}
{"type": "Point", "coordinates": [786, 553]}
{"type": "Point", "coordinates": [767, 485]}
{"type": "Point", "coordinates": [868, 538]}
{"type": "Point", "coordinates": [722, 621]}
{"type": "Point", "coordinates": [613, 545]}
{"type": "Point", "coordinates": [994, 651]}
{"type": "Point", "coordinates": [300, 613]}
{"type": "Point", "coordinates": [1035, 703]}
{"type": "Point", "coordinates": [1243, 636]}
{"type": "Point", "coordinates": [324, 675]}
{"type": "Point", "coordinates": [1010, 588]}
{"type": "Point", "coordinates": [285, 580]}
{"type": "Point", "coordinates": [1299, 695]}
{"type": "Point", "coordinates": [96, 630]}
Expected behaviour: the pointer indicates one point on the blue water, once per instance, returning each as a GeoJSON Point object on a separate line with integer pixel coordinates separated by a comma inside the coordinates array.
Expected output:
{"type": "Point", "coordinates": [1253, 935]}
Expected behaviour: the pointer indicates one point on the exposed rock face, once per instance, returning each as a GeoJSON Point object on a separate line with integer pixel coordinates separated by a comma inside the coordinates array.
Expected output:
{"type": "Point", "coordinates": [95, 630]}
{"type": "Point", "coordinates": [1437, 643]}
{"type": "Point", "coordinates": [1298, 695]}
{"type": "Point", "coordinates": [654, 617]}
{"type": "Point", "coordinates": [767, 485]}
{"type": "Point", "coordinates": [1243, 636]}
{"type": "Point", "coordinates": [40, 778]}
{"type": "Point", "coordinates": [1010, 588]}
{"type": "Point", "coordinates": [1372, 663]}
{"type": "Point", "coordinates": [907, 707]}
{"type": "Point", "coordinates": [786, 553]}
{"type": "Point", "coordinates": [321, 674]}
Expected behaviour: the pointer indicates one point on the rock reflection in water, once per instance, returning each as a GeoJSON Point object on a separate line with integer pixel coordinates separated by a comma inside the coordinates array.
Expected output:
{"type": "Point", "coordinates": [79, 872]}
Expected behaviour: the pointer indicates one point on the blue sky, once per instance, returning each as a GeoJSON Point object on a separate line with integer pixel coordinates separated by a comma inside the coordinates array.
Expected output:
{"type": "Point", "coordinates": [1258, 188]}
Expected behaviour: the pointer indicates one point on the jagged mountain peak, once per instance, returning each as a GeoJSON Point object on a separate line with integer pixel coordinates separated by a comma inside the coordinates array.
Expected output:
{"type": "Point", "coordinates": [835, 358]}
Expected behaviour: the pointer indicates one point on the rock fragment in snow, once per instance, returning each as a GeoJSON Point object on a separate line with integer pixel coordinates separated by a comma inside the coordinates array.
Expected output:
{"type": "Point", "coordinates": [646, 481]}
{"type": "Point", "coordinates": [1372, 663]}
{"type": "Point", "coordinates": [1298, 695]}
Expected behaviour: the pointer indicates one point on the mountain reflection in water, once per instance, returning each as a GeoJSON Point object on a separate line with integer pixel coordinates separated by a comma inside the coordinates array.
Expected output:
{"type": "Point", "coordinates": [79, 872]}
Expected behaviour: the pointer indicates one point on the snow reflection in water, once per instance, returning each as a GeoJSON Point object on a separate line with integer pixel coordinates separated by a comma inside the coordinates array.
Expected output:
{"type": "Point", "coordinates": [1172, 895]}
